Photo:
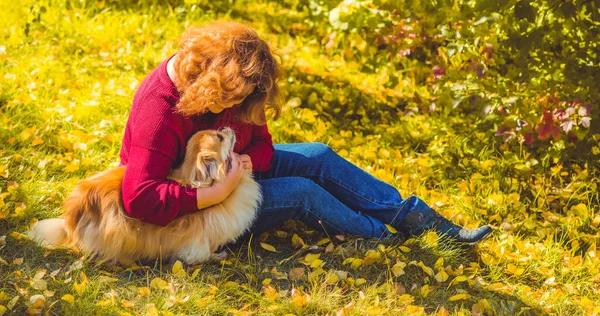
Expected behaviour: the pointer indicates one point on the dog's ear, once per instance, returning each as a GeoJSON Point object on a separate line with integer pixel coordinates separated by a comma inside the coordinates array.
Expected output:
{"type": "Point", "coordinates": [206, 167]}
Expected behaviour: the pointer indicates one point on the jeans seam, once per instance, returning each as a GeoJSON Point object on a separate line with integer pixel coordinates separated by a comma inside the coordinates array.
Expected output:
{"type": "Point", "coordinates": [350, 190]}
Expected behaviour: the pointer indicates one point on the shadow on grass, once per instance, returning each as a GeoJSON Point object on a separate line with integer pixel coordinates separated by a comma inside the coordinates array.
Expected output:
{"type": "Point", "coordinates": [250, 265]}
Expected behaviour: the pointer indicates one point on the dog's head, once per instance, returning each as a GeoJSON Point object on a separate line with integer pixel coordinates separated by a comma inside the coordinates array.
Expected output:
{"type": "Point", "coordinates": [208, 156]}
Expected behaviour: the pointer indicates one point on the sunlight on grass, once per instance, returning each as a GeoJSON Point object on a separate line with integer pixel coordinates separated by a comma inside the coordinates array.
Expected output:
{"type": "Point", "coordinates": [69, 70]}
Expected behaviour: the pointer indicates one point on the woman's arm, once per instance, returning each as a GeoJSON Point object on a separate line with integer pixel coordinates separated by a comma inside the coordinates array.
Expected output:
{"type": "Point", "coordinates": [260, 148]}
{"type": "Point", "coordinates": [146, 193]}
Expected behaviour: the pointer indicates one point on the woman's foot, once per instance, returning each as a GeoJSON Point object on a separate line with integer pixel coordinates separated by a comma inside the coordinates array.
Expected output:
{"type": "Point", "coordinates": [417, 222]}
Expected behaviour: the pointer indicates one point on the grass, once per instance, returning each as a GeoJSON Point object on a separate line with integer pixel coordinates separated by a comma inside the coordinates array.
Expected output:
{"type": "Point", "coordinates": [69, 72]}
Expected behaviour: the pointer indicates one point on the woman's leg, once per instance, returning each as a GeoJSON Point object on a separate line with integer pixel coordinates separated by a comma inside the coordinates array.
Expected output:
{"type": "Point", "coordinates": [348, 183]}
{"type": "Point", "coordinates": [361, 192]}
{"type": "Point", "coordinates": [297, 198]}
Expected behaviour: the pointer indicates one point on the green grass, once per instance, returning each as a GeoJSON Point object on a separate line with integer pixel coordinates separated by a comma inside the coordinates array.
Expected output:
{"type": "Point", "coordinates": [69, 72]}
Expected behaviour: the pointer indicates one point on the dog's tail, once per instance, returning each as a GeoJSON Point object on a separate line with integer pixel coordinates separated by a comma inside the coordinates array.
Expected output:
{"type": "Point", "coordinates": [49, 232]}
{"type": "Point", "coordinates": [82, 209]}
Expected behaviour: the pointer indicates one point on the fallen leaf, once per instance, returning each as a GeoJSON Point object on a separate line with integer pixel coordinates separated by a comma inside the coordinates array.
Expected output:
{"type": "Point", "coordinates": [126, 303]}
{"type": "Point", "coordinates": [391, 229]}
{"type": "Point", "coordinates": [178, 270]}
{"type": "Point", "coordinates": [458, 297]}
{"type": "Point", "coordinates": [268, 247]}
{"type": "Point", "coordinates": [373, 310]}
{"type": "Point", "coordinates": [296, 273]}
{"type": "Point", "coordinates": [159, 283]}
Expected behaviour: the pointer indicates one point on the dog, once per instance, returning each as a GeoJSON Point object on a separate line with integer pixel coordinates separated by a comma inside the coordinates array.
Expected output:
{"type": "Point", "coordinates": [95, 221]}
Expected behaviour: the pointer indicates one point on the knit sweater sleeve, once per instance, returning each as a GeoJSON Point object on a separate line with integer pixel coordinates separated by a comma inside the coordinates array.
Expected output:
{"type": "Point", "coordinates": [260, 148]}
{"type": "Point", "coordinates": [147, 194]}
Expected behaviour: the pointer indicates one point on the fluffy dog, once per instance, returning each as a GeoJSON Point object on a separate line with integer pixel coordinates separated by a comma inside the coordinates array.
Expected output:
{"type": "Point", "coordinates": [95, 222]}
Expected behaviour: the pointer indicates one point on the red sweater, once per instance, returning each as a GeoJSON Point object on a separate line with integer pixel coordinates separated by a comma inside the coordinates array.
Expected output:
{"type": "Point", "coordinates": [155, 140]}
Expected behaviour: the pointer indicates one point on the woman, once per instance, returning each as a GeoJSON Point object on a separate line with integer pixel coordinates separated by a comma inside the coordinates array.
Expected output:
{"type": "Point", "coordinates": [225, 75]}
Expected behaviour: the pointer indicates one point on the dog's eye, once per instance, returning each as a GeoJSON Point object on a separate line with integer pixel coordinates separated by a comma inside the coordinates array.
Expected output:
{"type": "Point", "coordinates": [220, 137]}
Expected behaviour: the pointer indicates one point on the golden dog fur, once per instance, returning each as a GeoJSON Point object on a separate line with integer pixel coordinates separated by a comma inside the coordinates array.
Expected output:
{"type": "Point", "coordinates": [95, 222]}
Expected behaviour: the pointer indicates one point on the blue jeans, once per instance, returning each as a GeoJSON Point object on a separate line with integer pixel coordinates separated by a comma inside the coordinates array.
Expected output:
{"type": "Point", "coordinates": [311, 183]}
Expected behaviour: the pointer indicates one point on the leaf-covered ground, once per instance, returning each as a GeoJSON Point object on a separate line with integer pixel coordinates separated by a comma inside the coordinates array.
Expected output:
{"type": "Point", "coordinates": [68, 72]}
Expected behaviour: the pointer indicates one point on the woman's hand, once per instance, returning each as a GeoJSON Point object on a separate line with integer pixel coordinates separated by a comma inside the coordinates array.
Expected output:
{"type": "Point", "coordinates": [246, 163]}
{"type": "Point", "coordinates": [221, 190]}
{"type": "Point", "coordinates": [233, 177]}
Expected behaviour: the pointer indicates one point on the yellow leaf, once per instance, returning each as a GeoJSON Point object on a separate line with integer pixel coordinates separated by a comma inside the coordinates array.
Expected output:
{"type": "Point", "coordinates": [322, 241]}
{"type": "Point", "coordinates": [439, 263]}
{"type": "Point", "coordinates": [425, 290]}
{"type": "Point", "coordinates": [316, 263]}
{"type": "Point", "coordinates": [159, 283]}
{"type": "Point", "coordinates": [441, 276]}
{"type": "Point", "coordinates": [431, 239]}
{"type": "Point", "coordinates": [311, 257]}
{"type": "Point", "coordinates": [495, 199]}
{"type": "Point", "coordinates": [71, 167]}
{"type": "Point", "coordinates": [68, 298]}
{"type": "Point", "coordinates": [103, 303]}
{"type": "Point", "coordinates": [297, 242]}
{"type": "Point", "coordinates": [79, 288]}
{"type": "Point", "coordinates": [360, 281]}
{"type": "Point", "coordinates": [84, 277]}
{"type": "Point", "coordinates": [4, 172]}
{"type": "Point", "coordinates": [372, 254]}
{"type": "Point", "coordinates": [38, 284]}
{"type": "Point", "coordinates": [37, 301]}
{"type": "Point", "coordinates": [195, 273]}
{"type": "Point", "coordinates": [37, 141]}
{"type": "Point", "coordinates": [301, 300]}
{"type": "Point", "coordinates": [458, 279]}
{"type": "Point", "coordinates": [512, 269]}
{"type": "Point", "coordinates": [398, 268]}
{"type": "Point", "coordinates": [2, 310]}
{"type": "Point", "coordinates": [425, 268]}
{"type": "Point", "coordinates": [268, 247]}
{"type": "Point", "coordinates": [442, 311]}
{"type": "Point", "coordinates": [126, 304]}
{"type": "Point", "coordinates": [499, 287]}
{"type": "Point", "coordinates": [373, 310]}
{"type": "Point", "coordinates": [405, 299]}
{"type": "Point", "coordinates": [143, 291]}
{"type": "Point", "coordinates": [415, 310]}
{"type": "Point", "coordinates": [391, 229]}
{"type": "Point", "coordinates": [203, 301]}
{"type": "Point", "coordinates": [178, 269]}
{"type": "Point", "coordinates": [404, 249]}
{"type": "Point", "coordinates": [458, 297]}
{"type": "Point", "coordinates": [331, 278]}
{"type": "Point", "coordinates": [151, 311]}
{"type": "Point", "coordinates": [357, 263]}
{"type": "Point", "coordinates": [28, 132]}
{"type": "Point", "coordinates": [270, 293]}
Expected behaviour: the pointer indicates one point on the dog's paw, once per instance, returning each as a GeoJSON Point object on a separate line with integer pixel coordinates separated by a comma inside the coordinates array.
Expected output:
{"type": "Point", "coordinates": [219, 256]}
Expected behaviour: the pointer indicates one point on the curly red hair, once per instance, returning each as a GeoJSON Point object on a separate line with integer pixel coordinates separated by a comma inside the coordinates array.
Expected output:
{"type": "Point", "coordinates": [223, 62]}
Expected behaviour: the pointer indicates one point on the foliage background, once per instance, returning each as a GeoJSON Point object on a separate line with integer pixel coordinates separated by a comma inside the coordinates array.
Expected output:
{"type": "Point", "coordinates": [484, 109]}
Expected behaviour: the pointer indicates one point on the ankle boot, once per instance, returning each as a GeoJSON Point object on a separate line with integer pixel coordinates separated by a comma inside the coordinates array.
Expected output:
{"type": "Point", "coordinates": [417, 222]}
